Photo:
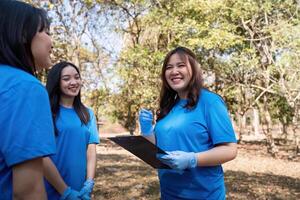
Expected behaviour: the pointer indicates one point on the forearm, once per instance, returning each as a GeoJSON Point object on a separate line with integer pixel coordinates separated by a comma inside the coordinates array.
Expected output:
{"type": "Point", "coordinates": [91, 161]}
{"type": "Point", "coordinates": [217, 155]}
{"type": "Point", "coordinates": [53, 176]}
{"type": "Point", "coordinates": [28, 181]}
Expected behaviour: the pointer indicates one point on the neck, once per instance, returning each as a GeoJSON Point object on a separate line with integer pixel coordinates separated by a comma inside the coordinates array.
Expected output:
{"type": "Point", "coordinates": [182, 95]}
{"type": "Point", "coordinates": [67, 101]}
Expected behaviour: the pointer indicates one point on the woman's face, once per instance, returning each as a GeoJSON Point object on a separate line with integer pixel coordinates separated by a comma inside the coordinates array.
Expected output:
{"type": "Point", "coordinates": [178, 74]}
{"type": "Point", "coordinates": [70, 82]}
{"type": "Point", "coordinates": [41, 49]}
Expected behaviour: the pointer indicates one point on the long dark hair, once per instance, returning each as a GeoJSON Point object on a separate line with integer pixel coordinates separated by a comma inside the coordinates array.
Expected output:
{"type": "Point", "coordinates": [53, 88]}
{"type": "Point", "coordinates": [168, 96]}
{"type": "Point", "coordinates": [19, 22]}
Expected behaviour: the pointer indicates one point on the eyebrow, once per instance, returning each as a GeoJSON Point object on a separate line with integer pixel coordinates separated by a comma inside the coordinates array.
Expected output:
{"type": "Point", "coordinates": [69, 75]}
{"type": "Point", "coordinates": [176, 63]}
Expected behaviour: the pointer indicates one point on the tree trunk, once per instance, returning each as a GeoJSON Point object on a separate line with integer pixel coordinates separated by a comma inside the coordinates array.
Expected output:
{"type": "Point", "coordinates": [284, 131]}
{"type": "Point", "coordinates": [272, 148]}
{"type": "Point", "coordinates": [295, 128]}
{"type": "Point", "coordinates": [255, 122]}
{"type": "Point", "coordinates": [241, 124]}
{"type": "Point", "coordinates": [234, 124]}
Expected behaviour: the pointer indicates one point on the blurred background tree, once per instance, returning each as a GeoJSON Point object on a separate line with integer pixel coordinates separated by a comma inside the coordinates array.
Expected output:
{"type": "Point", "coordinates": [249, 51]}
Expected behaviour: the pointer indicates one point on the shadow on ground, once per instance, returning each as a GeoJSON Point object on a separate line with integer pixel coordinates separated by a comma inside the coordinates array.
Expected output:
{"type": "Point", "coordinates": [123, 177]}
{"type": "Point", "coordinates": [241, 185]}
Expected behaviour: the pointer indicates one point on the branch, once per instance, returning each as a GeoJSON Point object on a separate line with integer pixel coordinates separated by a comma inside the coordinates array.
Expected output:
{"type": "Point", "coordinates": [297, 97]}
{"type": "Point", "coordinates": [257, 39]}
{"type": "Point", "coordinates": [264, 89]}
{"type": "Point", "coordinates": [263, 92]}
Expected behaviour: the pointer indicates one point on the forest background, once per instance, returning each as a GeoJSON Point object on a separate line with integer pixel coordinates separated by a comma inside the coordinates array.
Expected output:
{"type": "Point", "coordinates": [249, 51]}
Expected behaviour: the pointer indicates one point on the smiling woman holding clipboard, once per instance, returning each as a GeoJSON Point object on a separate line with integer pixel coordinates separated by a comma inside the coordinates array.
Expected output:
{"type": "Point", "coordinates": [194, 128]}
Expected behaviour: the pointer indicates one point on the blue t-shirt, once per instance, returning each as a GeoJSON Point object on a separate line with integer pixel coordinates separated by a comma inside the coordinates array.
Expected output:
{"type": "Point", "coordinates": [72, 141]}
{"type": "Point", "coordinates": [195, 130]}
{"type": "Point", "coordinates": [25, 123]}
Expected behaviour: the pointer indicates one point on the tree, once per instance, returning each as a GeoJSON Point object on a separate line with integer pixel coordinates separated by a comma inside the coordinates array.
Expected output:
{"type": "Point", "coordinates": [235, 41]}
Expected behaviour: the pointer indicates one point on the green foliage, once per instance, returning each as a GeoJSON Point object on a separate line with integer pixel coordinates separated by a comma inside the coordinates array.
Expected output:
{"type": "Point", "coordinates": [281, 110]}
{"type": "Point", "coordinates": [139, 69]}
{"type": "Point", "coordinates": [248, 48]}
{"type": "Point", "coordinates": [237, 41]}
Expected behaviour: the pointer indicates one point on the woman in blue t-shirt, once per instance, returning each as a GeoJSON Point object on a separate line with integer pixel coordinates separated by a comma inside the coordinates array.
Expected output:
{"type": "Point", "coordinates": [194, 128]}
{"type": "Point", "coordinates": [76, 136]}
{"type": "Point", "coordinates": [26, 130]}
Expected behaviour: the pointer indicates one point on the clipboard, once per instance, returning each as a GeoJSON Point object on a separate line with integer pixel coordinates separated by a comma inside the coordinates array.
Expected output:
{"type": "Point", "coordinates": [142, 148]}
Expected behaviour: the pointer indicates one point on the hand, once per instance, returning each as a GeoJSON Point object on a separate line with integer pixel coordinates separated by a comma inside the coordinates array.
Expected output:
{"type": "Point", "coordinates": [145, 119]}
{"type": "Point", "coordinates": [179, 160]}
{"type": "Point", "coordinates": [86, 190]}
{"type": "Point", "coordinates": [70, 194]}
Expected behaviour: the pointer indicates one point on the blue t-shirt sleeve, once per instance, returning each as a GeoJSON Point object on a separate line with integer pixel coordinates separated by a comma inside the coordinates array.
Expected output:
{"type": "Point", "coordinates": [218, 122]}
{"type": "Point", "coordinates": [92, 126]}
{"type": "Point", "coordinates": [29, 130]}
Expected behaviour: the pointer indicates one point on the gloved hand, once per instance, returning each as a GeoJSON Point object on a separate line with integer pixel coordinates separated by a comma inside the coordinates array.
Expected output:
{"type": "Point", "coordinates": [70, 194]}
{"type": "Point", "coordinates": [179, 160]}
{"type": "Point", "coordinates": [145, 119]}
{"type": "Point", "coordinates": [86, 190]}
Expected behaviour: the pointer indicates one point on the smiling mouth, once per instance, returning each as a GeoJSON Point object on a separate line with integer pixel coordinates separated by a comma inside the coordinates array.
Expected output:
{"type": "Point", "coordinates": [176, 80]}
{"type": "Point", "coordinates": [73, 89]}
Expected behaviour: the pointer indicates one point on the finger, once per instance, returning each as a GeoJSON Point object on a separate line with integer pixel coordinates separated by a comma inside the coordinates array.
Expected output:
{"type": "Point", "coordinates": [146, 115]}
{"type": "Point", "coordinates": [172, 153]}
{"type": "Point", "coordinates": [167, 162]}
{"type": "Point", "coordinates": [146, 118]}
{"type": "Point", "coordinates": [159, 155]}
{"type": "Point", "coordinates": [165, 157]}
{"type": "Point", "coordinates": [173, 166]}
{"type": "Point", "coordinates": [178, 152]}
{"type": "Point", "coordinates": [168, 152]}
{"type": "Point", "coordinates": [144, 111]}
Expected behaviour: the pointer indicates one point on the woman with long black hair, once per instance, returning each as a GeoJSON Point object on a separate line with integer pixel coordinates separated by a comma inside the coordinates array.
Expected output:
{"type": "Point", "coordinates": [26, 134]}
{"type": "Point", "coordinates": [75, 130]}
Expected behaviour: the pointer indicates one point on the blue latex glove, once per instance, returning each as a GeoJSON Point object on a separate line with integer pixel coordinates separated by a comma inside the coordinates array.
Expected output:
{"type": "Point", "coordinates": [70, 194]}
{"type": "Point", "coordinates": [86, 190]}
{"type": "Point", "coordinates": [179, 160]}
{"type": "Point", "coordinates": [146, 119]}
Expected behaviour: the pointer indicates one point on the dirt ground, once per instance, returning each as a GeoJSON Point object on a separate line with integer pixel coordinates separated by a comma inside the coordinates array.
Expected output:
{"type": "Point", "coordinates": [252, 175]}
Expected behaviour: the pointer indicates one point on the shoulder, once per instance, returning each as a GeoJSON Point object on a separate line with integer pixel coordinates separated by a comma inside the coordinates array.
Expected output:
{"type": "Point", "coordinates": [90, 110]}
{"type": "Point", "coordinates": [16, 74]}
{"type": "Point", "coordinates": [207, 97]}
{"type": "Point", "coordinates": [16, 78]}
{"type": "Point", "coordinates": [91, 113]}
